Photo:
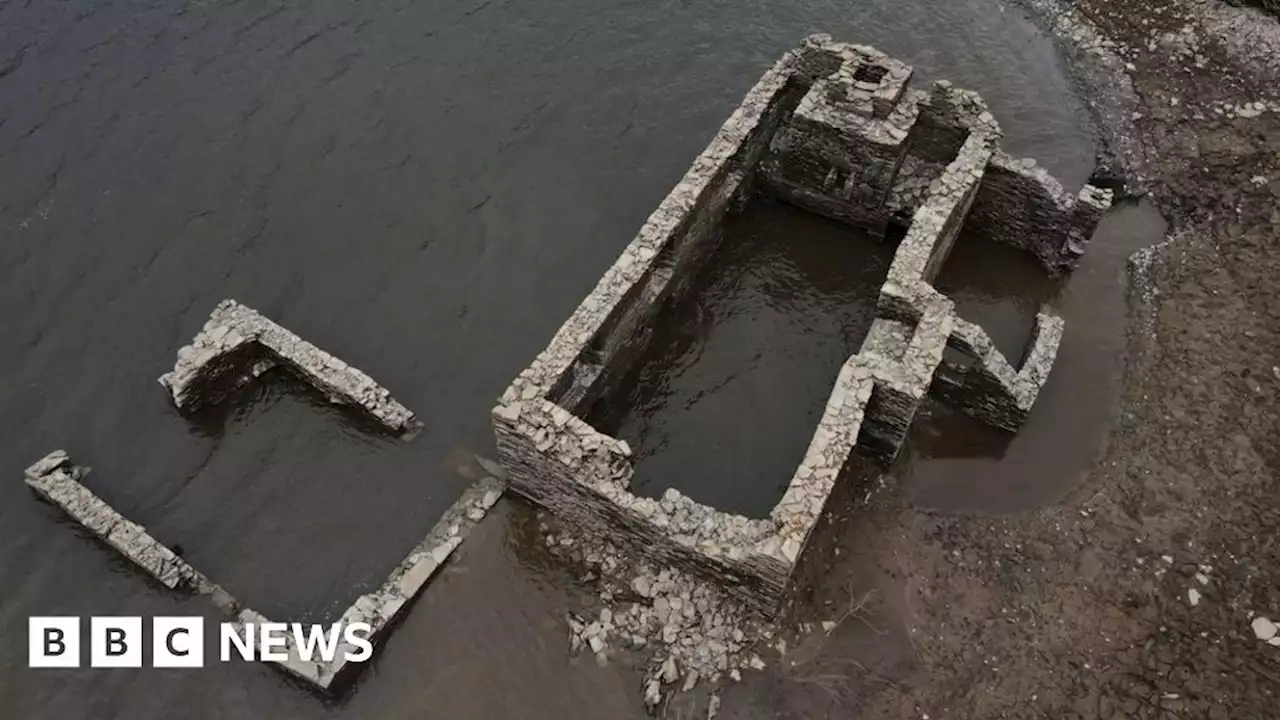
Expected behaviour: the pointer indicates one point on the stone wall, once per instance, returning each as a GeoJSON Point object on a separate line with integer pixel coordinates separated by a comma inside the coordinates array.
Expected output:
{"type": "Point", "coordinates": [606, 335]}
{"type": "Point", "coordinates": [1022, 205]}
{"type": "Point", "coordinates": [560, 462]}
{"type": "Point", "coordinates": [937, 222]}
{"type": "Point", "coordinates": [982, 383]}
{"type": "Point", "coordinates": [237, 345]}
{"type": "Point", "coordinates": [840, 152]}
{"type": "Point", "coordinates": [864, 152]}
{"type": "Point", "coordinates": [56, 479]}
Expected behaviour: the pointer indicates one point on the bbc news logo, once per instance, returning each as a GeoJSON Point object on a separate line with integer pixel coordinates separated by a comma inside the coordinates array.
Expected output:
{"type": "Point", "coordinates": [178, 642]}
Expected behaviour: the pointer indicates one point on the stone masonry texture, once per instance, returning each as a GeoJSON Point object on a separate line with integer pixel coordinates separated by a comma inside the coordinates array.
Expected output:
{"type": "Point", "coordinates": [237, 345]}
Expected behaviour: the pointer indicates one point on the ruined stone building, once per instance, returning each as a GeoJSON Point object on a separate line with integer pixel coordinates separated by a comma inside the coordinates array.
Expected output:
{"type": "Point", "coordinates": [838, 130]}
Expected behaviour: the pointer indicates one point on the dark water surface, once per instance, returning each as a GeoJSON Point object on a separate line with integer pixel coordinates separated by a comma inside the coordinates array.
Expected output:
{"type": "Point", "coordinates": [724, 405]}
{"type": "Point", "coordinates": [425, 189]}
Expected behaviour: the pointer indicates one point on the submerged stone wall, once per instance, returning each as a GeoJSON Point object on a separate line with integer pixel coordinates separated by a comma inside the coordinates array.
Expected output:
{"type": "Point", "coordinates": [603, 337]}
{"type": "Point", "coordinates": [1022, 205]}
{"type": "Point", "coordinates": [381, 608]}
{"type": "Point", "coordinates": [56, 479]}
{"type": "Point", "coordinates": [555, 458]}
{"type": "Point", "coordinates": [833, 128]}
{"type": "Point", "coordinates": [237, 345]}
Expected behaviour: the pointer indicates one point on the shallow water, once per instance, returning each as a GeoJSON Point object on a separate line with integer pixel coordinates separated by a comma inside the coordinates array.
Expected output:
{"type": "Point", "coordinates": [955, 463]}
{"type": "Point", "coordinates": [425, 190]}
{"type": "Point", "coordinates": [724, 405]}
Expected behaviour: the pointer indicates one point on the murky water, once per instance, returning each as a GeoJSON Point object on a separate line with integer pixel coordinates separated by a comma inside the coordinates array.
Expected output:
{"type": "Point", "coordinates": [725, 404]}
{"type": "Point", "coordinates": [953, 462]}
{"type": "Point", "coordinates": [425, 190]}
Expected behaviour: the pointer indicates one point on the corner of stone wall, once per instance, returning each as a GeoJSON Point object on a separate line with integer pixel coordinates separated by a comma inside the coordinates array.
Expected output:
{"type": "Point", "coordinates": [1022, 205]}
{"type": "Point", "coordinates": [984, 385]}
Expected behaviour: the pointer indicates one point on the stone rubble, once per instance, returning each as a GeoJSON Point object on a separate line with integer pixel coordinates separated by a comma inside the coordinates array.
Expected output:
{"type": "Point", "coordinates": [691, 631]}
{"type": "Point", "coordinates": [1266, 630]}
{"type": "Point", "coordinates": [237, 345]}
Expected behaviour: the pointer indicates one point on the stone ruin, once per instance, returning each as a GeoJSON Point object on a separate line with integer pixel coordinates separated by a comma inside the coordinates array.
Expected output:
{"type": "Point", "coordinates": [238, 345]}
{"type": "Point", "coordinates": [235, 347]}
{"type": "Point", "coordinates": [838, 130]}
{"type": "Point", "coordinates": [56, 479]}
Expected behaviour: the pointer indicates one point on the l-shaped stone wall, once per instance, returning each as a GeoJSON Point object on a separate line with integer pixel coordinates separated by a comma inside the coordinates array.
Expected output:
{"type": "Point", "coordinates": [237, 345]}
{"type": "Point", "coordinates": [1022, 205]}
{"type": "Point", "coordinates": [58, 480]}
{"type": "Point", "coordinates": [829, 128]}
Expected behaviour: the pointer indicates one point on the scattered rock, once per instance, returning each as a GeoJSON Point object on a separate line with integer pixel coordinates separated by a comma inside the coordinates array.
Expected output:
{"type": "Point", "coordinates": [1264, 628]}
{"type": "Point", "coordinates": [641, 586]}
{"type": "Point", "coordinates": [690, 680]}
{"type": "Point", "coordinates": [670, 672]}
{"type": "Point", "coordinates": [652, 694]}
{"type": "Point", "coordinates": [713, 707]}
{"type": "Point", "coordinates": [692, 629]}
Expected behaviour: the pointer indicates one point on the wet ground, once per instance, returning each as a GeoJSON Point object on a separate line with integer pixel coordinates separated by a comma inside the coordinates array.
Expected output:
{"type": "Point", "coordinates": [424, 190]}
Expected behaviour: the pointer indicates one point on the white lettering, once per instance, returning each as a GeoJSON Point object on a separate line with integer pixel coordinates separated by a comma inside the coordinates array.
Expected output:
{"type": "Point", "coordinates": [316, 638]}
{"type": "Point", "coordinates": [357, 634]}
{"type": "Point", "coordinates": [230, 635]}
{"type": "Point", "coordinates": [272, 636]}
